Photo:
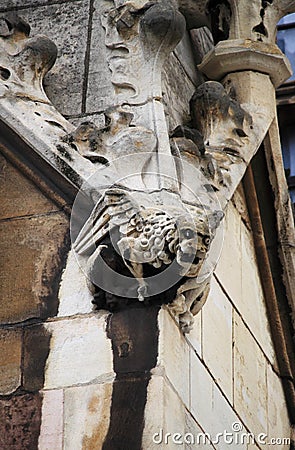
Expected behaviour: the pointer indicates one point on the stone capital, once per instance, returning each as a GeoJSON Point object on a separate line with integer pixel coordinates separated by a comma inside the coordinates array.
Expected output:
{"type": "Point", "coordinates": [246, 55]}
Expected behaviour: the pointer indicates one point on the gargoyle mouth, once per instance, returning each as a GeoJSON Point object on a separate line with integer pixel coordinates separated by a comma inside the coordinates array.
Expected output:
{"type": "Point", "coordinates": [189, 258]}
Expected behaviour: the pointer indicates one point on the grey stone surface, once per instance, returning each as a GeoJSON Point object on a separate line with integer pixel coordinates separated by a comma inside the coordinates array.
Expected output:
{"type": "Point", "coordinates": [8, 5]}
{"type": "Point", "coordinates": [100, 92]}
{"type": "Point", "coordinates": [97, 119]}
{"type": "Point", "coordinates": [178, 89]}
{"type": "Point", "coordinates": [184, 53]}
{"type": "Point", "coordinates": [66, 24]}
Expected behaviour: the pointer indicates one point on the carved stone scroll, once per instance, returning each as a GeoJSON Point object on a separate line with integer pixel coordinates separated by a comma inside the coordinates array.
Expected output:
{"type": "Point", "coordinates": [25, 108]}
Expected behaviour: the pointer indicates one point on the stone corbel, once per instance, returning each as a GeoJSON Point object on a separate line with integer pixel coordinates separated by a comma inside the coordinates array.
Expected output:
{"type": "Point", "coordinates": [149, 231]}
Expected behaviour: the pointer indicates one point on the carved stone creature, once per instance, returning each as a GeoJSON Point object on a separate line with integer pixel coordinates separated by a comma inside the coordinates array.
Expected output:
{"type": "Point", "coordinates": [221, 135]}
{"type": "Point", "coordinates": [163, 247]}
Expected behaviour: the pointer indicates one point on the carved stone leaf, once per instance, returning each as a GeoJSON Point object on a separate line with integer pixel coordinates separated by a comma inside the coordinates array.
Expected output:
{"type": "Point", "coordinates": [114, 209]}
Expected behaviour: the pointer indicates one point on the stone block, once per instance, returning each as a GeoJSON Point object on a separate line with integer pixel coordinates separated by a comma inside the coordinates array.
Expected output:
{"type": "Point", "coordinates": [201, 389]}
{"type": "Point", "coordinates": [20, 421]}
{"type": "Point", "coordinates": [74, 295]}
{"type": "Point", "coordinates": [252, 304]}
{"type": "Point", "coordinates": [19, 196]}
{"type": "Point", "coordinates": [87, 416]}
{"type": "Point", "coordinates": [80, 352]}
{"type": "Point", "coordinates": [66, 24]}
{"type": "Point", "coordinates": [278, 421]}
{"type": "Point", "coordinates": [31, 253]}
{"type": "Point", "coordinates": [184, 54]}
{"type": "Point", "coordinates": [164, 416]}
{"type": "Point", "coordinates": [35, 356]}
{"type": "Point", "coordinates": [217, 338]}
{"type": "Point", "coordinates": [51, 432]}
{"type": "Point", "coordinates": [134, 336]}
{"type": "Point", "coordinates": [224, 418]}
{"type": "Point", "coordinates": [99, 73]}
{"type": "Point", "coordinates": [239, 201]}
{"type": "Point", "coordinates": [176, 94]}
{"type": "Point", "coordinates": [174, 355]}
{"type": "Point", "coordinates": [10, 360]}
{"type": "Point", "coordinates": [228, 270]}
{"type": "Point", "coordinates": [250, 394]}
{"type": "Point", "coordinates": [195, 436]}
{"type": "Point", "coordinates": [194, 337]}
{"type": "Point", "coordinates": [211, 409]}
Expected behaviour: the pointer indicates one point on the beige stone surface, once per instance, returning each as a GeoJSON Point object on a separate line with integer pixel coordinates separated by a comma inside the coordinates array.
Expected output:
{"type": "Point", "coordinates": [194, 337]}
{"type": "Point", "coordinates": [278, 420]}
{"type": "Point", "coordinates": [174, 355]}
{"type": "Point", "coordinates": [80, 352]}
{"type": "Point", "coordinates": [252, 305]}
{"type": "Point", "coordinates": [228, 270]}
{"type": "Point", "coordinates": [164, 416]}
{"type": "Point", "coordinates": [87, 416]}
{"type": "Point", "coordinates": [74, 295]}
{"type": "Point", "coordinates": [19, 196]}
{"type": "Point", "coordinates": [201, 391]}
{"type": "Point", "coordinates": [30, 263]}
{"type": "Point", "coordinates": [10, 360]}
{"type": "Point", "coordinates": [244, 55]}
{"type": "Point", "coordinates": [195, 436]}
{"type": "Point", "coordinates": [217, 338]}
{"type": "Point", "coordinates": [238, 274]}
{"type": "Point", "coordinates": [211, 409]}
{"type": "Point", "coordinates": [51, 431]}
{"type": "Point", "coordinates": [225, 419]}
{"type": "Point", "coordinates": [250, 394]}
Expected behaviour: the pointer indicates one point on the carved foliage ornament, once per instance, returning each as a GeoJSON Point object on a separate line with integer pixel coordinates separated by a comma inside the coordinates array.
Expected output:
{"type": "Point", "coordinates": [24, 60]}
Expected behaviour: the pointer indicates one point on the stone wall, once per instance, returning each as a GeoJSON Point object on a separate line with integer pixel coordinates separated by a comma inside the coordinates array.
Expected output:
{"type": "Point", "coordinates": [224, 372]}
{"type": "Point", "coordinates": [34, 243]}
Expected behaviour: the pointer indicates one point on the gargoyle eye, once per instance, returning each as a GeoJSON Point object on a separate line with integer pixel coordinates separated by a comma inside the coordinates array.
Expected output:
{"type": "Point", "coordinates": [206, 240]}
{"type": "Point", "coordinates": [188, 233]}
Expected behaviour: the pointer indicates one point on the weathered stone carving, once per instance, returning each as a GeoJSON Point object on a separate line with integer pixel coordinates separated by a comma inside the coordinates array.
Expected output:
{"type": "Point", "coordinates": [140, 234]}
{"type": "Point", "coordinates": [138, 229]}
{"type": "Point", "coordinates": [25, 107]}
{"type": "Point", "coordinates": [150, 234]}
{"type": "Point", "coordinates": [223, 130]}
{"type": "Point", "coordinates": [236, 19]}
{"type": "Point", "coordinates": [144, 235]}
{"type": "Point", "coordinates": [24, 60]}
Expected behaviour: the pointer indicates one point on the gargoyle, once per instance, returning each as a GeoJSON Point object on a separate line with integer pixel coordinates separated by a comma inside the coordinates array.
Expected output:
{"type": "Point", "coordinates": [162, 247]}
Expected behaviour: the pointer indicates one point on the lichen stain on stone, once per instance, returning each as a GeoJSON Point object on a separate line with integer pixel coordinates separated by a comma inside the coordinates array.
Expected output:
{"type": "Point", "coordinates": [20, 421]}
{"type": "Point", "coordinates": [98, 419]}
